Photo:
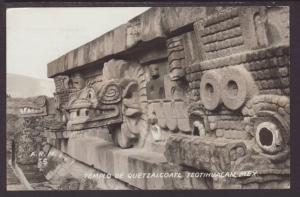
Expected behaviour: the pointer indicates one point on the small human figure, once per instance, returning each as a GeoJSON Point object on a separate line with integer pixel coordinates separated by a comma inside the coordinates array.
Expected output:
{"type": "Point", "coordinates": [155, 87]}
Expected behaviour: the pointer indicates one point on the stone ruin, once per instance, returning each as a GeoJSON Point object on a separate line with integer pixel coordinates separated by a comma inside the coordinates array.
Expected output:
{"type": "Point", "coordinates": [176, 89]}
{"type": "Point", "coordinates": [33, 112]}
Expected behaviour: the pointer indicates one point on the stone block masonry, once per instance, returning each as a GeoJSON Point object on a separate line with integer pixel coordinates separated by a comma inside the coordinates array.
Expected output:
{"type": "Point", "coordinates": [198, 91]}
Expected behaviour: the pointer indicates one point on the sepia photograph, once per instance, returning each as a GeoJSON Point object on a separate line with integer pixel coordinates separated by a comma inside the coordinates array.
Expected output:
{"type": "Point", "coordinates": [148, 98]}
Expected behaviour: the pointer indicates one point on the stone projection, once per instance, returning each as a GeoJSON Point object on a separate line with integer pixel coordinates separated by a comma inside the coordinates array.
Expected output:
{"type": "Point", "coordinates": [189, 90]}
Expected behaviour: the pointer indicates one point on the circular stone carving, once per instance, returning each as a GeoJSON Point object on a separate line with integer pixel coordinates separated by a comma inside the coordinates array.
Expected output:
{"type": "Point", "coordinates": [236, 87]}
{"type": "Point", "coordinates": [268, 137]}
{"type": "Point", "coordinates": [210, 89]}
{"type": "Point", "coordinates": [111, 94]}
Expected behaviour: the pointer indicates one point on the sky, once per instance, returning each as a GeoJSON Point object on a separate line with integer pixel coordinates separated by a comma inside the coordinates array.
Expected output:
{"type": "Point", "coordinates": [36, 36]}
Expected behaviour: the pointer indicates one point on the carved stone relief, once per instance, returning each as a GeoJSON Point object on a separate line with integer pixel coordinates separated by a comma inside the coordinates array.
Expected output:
{"type": "Point", "coordinates": [223, 104]}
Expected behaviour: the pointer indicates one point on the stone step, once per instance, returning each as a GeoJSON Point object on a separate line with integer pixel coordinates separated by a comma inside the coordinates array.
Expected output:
{"type": "Point", "coordinates": [43, 186]}
{"type": "Point", "coordinates": [16, 187]}
{"type": "Point", "coordinates": [32, 173]}
{"type": "Point", "coordinates": [13, 181]}
{"type": "Point", "coordinates": [11, 178]}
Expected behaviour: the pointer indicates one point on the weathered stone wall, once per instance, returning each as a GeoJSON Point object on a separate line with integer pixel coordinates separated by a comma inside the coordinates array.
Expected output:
{"type": "Point", "coordinates": [31, 114]}
{"type": "Point", "coordinates": [205, 88]}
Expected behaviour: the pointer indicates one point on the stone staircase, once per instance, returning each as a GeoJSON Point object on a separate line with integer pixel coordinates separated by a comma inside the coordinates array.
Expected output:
{"type": "Point", "coordinates": [32, 173]}
{"type": "Point", "coordinates": [12, 181]}
{"type": "Point", "coordinates": [36, 178]}
{"type": "Point", "coordinates": [11, 178]}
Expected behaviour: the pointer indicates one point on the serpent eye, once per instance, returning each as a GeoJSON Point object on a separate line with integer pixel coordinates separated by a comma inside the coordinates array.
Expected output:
{"type": "Point", "coordinates": [268, 137]}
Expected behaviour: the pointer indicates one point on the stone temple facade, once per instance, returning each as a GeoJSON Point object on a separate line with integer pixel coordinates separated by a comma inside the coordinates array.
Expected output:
{"type": "Point", "coordinates": [176, 90]}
